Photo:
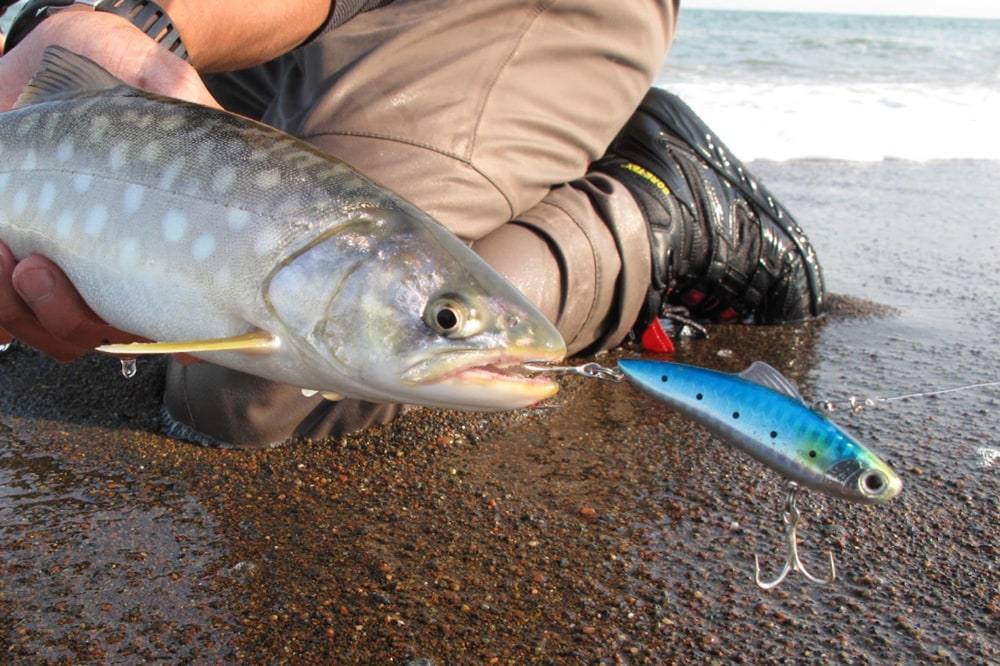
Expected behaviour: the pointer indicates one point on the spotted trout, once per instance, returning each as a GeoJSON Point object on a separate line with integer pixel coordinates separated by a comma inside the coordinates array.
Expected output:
{"type": "Point", "coordinates": [220, 237]}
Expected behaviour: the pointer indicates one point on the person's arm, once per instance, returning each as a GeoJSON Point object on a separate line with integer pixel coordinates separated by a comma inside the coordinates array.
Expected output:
{"type": "Point", "coordinates": [113, 43]}
{"type": "Point", "coordinates": [223, 35]}
{"type": "Point", "coordinates": [219, 35]}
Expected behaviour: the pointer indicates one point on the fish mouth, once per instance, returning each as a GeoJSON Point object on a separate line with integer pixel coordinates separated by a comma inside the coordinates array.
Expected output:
{"type": "Point", "coordinates": [474, 379]}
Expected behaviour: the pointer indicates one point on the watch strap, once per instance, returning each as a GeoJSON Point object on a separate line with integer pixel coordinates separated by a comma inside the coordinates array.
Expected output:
{"type": "Point", "coordinates": [144, 14]}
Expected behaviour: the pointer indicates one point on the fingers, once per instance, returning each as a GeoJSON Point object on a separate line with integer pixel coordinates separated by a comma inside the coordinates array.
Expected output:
{"type": "Point", "coordinates": [19, 321]}
{"type": "Point", "coordinates": [40, 307]}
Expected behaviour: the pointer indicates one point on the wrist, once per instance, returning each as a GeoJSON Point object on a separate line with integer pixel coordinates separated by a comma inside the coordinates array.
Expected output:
{"type": "Point", "coordinates": [145, 15]}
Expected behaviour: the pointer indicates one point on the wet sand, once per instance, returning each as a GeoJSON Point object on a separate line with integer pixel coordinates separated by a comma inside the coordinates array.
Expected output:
{"type": "Point", "coordinates": [601, 528]}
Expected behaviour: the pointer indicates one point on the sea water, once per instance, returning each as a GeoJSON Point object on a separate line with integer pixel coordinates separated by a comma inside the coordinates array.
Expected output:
{"type": "Point", "coordinates": [778, 85]}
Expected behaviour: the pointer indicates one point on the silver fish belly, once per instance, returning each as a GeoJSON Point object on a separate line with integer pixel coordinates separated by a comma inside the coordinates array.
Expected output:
{"type": "Point", "coordinates": [181, 223]}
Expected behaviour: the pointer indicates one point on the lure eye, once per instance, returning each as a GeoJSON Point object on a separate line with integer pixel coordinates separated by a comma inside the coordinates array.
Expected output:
{"type": "Point", "coordinates": [873, 483]}
{"type": "Point", "coordinates": [452, 316]}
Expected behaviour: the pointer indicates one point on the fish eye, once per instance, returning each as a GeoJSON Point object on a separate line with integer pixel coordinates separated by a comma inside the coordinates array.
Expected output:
{"type": "Point", "coordinates": [872, 483]}
{"type": "Point", "coordinates": [451, 316]}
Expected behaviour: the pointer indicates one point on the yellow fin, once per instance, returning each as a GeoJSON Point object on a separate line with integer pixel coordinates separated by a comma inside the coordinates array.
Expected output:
{"type": "Point", "coordinates": [254, 341]}
{"type": "Point", "coordinates": [332, 397]}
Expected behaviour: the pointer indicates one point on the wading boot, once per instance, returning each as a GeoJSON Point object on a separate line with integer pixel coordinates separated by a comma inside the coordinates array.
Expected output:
{"type": "Point", "coordinates": [722, 246]}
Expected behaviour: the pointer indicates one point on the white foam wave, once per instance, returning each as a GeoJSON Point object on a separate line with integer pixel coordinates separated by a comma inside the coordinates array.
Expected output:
{"type": "Point", "coordinates": [862, 122]}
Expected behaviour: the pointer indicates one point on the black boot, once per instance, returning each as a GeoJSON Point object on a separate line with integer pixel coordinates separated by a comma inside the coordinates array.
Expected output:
{"type": "Point", "coordinates": [722, 246]}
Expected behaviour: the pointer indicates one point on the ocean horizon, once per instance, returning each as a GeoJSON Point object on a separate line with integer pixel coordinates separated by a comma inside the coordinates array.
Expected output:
{"type": "Point", "coordinates": [782, 85]}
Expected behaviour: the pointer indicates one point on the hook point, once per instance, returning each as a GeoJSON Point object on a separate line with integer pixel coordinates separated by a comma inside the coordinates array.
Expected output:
{"type": "Point", "coordinates": [792, 561]}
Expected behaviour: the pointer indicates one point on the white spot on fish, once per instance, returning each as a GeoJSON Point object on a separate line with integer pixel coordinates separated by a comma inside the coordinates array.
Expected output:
{"type": "Point", "coordinates": [170, 175]}
{"type": "Point", "coordinates": [99, 124]}
{"type": "Point", "coordinates": [65, 150]}
{"type": "Point", "coordinates": [64, 225]}
{"type": "Point", "coordinates": [237, 219]}
{"type": "Point", "coordinates": [223, 179]}
{"type": "Point", "coordinates": [203, 248]}
{"type": "Point", "coordinates": [30, 161]}
{"type": "Point", "coordinates": [20, 202]}
{"type": "Point", "coordinates": [140, 120]}
{"type": "Point", "coordinates": [82, 182]}
{"type": "Point", "coordinates": [267, 179]}
{"type": "Point", "coordinates": [133, 196]}
{"type": "Point", "coordinates": [174, 225]}
{"type": "Point", "coordinates": [171, 123]}
{"type": "Point", "coordinates": [52, 124]}
{"type": "Point", "coordinates": [259, 155]}
{"type": "Point", "coordinates": [96, 218]}
{"type": "Point", "coordinates": [117, 156]}
{"type": "Point", "coordinates": [128, 251]}
{"type": "Point", "coordinates": [264, 241]}
{"type": "Point", "coordinates": [151, 152]}
{"type": "Point", "coordinates": [46, 197]}
{"type": "Point", "coordinates": [27, 124]}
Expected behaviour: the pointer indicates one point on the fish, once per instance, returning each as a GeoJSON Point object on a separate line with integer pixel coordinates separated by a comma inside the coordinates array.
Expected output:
{"type": "Point", "coordinates": [760, 412]}
{"type": "Point", "coordinates": [211, 234]}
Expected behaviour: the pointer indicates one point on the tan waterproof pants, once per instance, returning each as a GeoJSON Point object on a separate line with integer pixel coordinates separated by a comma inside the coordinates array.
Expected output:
{"type": "Point", "coordinates": [486, 114]}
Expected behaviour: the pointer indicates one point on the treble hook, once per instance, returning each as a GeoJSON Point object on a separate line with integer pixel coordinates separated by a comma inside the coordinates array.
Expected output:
{"type": "Point", "coordinates": [792, 561]}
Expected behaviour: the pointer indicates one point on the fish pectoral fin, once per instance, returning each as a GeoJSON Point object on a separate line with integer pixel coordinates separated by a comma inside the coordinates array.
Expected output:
{"type": "Point", "coordinates": [259, 341]}
{"type": "Point", "coordinates": [765, 375]}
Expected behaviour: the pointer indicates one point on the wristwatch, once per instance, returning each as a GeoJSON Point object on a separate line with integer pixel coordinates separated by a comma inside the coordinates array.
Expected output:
{"type": "Point", "coordinates": [145, 15]}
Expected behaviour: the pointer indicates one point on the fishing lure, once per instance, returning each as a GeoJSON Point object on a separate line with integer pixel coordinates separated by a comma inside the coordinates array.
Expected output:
{"type": "Point", "coordinates": [761, 412]}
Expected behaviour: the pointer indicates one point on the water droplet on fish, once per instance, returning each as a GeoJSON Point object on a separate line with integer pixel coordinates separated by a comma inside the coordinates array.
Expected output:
{"type": "Point", "coordinates": [129, 368]}
{"type": "Point", "coordinates": [5, 346]}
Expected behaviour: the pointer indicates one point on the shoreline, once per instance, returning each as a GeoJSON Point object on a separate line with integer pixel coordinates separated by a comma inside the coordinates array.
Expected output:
{"type": "Point", "coordinates": [599, 529]}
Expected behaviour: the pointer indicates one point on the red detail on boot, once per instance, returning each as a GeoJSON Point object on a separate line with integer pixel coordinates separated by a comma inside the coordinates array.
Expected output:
{"type": "Point", "coordinates": [692, 297]}
{"type": "Point", "coordinates": [655, 339]}
{"type": "Point", "coordinates": [728, 315]}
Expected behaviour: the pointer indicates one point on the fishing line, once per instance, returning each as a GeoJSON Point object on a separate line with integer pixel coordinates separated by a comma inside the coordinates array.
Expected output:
{"type": "Point", "coordinates": [856, 404]}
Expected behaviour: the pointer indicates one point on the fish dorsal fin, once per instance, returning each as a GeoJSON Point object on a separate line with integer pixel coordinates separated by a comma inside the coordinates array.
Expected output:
{"type": "Point", "coordinates": [763, 374]}
{"type": "Point", "coordinates": [65, 75]}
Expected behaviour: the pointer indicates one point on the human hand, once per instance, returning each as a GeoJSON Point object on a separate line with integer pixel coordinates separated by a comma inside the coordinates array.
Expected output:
{"type": "Point", "coordinates": [38, 304]}
{"type": "Point", "coordinates": [113, 43]}
{"type": "Point", "coordinates": [40, 307]}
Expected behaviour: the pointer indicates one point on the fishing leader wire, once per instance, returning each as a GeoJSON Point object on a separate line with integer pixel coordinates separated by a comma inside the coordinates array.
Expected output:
{"type": "Point", "coordinates": [857, 404]}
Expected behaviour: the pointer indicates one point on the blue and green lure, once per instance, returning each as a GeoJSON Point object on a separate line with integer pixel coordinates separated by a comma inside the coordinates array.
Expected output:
{"type": "Point", "coordinates": [761, 412]}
